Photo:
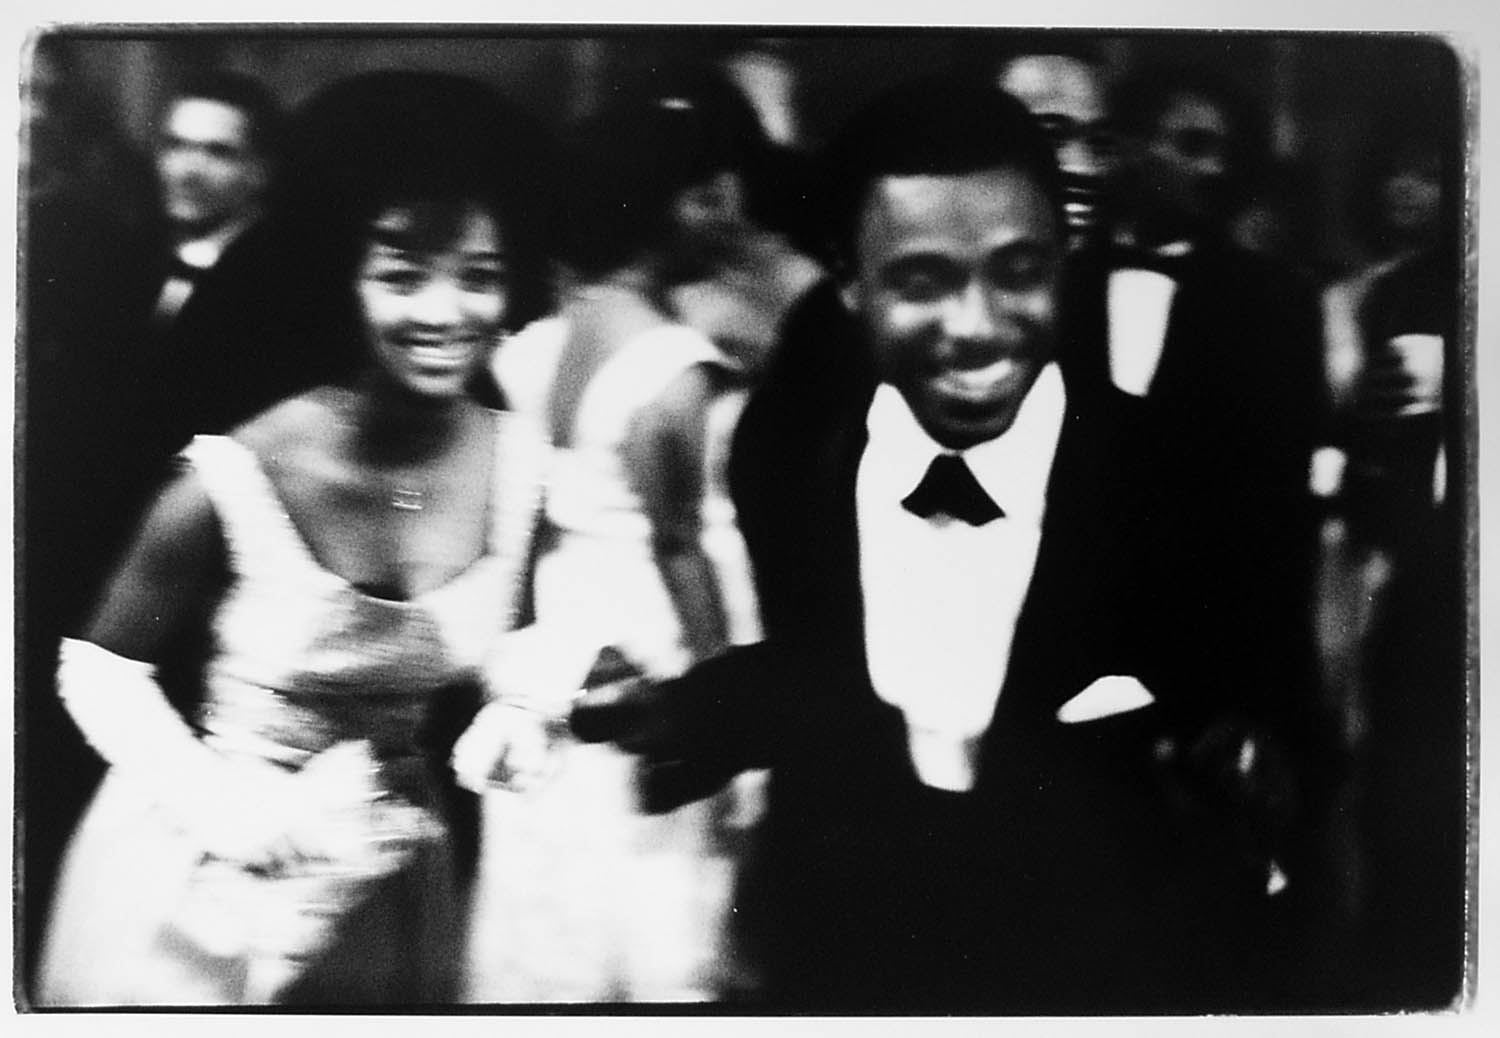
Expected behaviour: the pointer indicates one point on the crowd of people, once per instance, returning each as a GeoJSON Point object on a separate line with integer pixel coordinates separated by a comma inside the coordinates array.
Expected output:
{"type": "Point", "coordinates": [634, 562]}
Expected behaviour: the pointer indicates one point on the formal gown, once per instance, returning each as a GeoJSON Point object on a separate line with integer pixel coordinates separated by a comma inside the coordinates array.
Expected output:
{"type": "Point", "coordinates": [311, 674]}
{"type": "Point", "coordinates": [585, 899]}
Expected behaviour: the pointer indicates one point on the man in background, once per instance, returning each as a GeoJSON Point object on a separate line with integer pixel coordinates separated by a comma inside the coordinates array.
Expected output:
{"type": "Point", "coordinates": [1064, 87]}
{"type": "Point", "coordinates": [214, 162]}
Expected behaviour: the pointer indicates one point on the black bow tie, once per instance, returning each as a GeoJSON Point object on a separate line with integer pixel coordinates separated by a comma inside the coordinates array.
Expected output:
{"type": "Point", "coordinates": [950, 488]}
{"type": "Point", "coordinates": [182, 269]}
{"type": "Point", "coordinates": [1125, 257]}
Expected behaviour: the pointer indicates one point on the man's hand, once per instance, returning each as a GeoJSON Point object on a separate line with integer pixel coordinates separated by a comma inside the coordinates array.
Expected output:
{"type": "Point", "coordinates": [647, 720]}
{"type": "Point", "coordinates": [1237, 772]}
{"type": "Point", "coordinates": [632, 714]}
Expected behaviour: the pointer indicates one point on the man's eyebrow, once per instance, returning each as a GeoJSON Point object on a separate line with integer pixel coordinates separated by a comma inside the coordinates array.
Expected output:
{"type": "Point", "coordinates": [918, 256]}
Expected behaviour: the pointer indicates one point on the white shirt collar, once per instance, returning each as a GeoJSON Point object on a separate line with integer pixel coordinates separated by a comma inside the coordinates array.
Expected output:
{"type": "Point", "coordinates": [203, 252]}
{"type": "Point", "coordinates": [1013, 468]}
{"type": "Point", "coordinates": [1125, 237]}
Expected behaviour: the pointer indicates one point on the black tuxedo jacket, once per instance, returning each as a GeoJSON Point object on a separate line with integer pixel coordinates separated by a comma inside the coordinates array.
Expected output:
{"type": "Point", "coordinates": [1242, 357]}
{"type": "Point", "coordinates": [1240, 389]}
{"type": "Point", "coordinates": [1078, 875]}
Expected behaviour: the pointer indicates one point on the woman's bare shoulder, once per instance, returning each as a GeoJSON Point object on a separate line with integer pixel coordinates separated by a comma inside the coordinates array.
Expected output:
{"type": "Point", "coordinates": [296, 423]}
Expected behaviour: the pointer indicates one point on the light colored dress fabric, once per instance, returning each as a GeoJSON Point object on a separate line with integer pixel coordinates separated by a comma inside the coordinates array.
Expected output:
{"type": "Point", "coordinates": [312, 674]}
{"type": "Point", "coordinates": [581, 898]}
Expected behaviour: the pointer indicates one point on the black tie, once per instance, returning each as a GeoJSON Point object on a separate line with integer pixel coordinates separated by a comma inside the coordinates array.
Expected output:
{"type": "Point", "coordinates": [181, 268]}
{"type": "Point", "coordinates": [950, 488]}
{"type": "Point", "coordinates": [1124, 257]}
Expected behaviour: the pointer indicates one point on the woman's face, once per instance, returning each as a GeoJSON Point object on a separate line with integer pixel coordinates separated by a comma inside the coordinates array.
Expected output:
{"type": "Point", "coordinates": [707, 222]}
{"type": "Point", "coordinates": [432, 300]}
{"type": "Point", "coordinates": [1411, 196]}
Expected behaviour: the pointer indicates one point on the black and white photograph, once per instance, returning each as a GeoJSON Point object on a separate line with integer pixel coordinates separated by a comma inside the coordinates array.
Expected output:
{"type": "Point", "coordinates": [745, 521]}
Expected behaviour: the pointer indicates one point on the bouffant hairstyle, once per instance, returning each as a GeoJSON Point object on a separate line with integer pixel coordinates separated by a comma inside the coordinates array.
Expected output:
{"type": "Point", "coordinates": [659, 132]}
{"type": "Point", "coordinates": [427, 140]}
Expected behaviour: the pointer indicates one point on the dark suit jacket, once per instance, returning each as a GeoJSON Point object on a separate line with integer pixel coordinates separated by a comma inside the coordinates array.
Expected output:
{"type": "Point", "coordinates": [1240, 390]}
{"type": "Point", "coordinates": [1076, 876]}
{"type": "Point", "coordinates": [1242, 357]}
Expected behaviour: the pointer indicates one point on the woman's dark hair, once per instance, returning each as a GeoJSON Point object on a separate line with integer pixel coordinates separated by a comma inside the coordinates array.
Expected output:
{"type": "Point", "coordinates": [660, 132]}
{"type": "Point", "coordinates": [432, 141]}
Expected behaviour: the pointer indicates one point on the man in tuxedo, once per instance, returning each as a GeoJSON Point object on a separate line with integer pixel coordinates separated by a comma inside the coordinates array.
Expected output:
{"type": "Point", "coordinates": [214, 157]}
{"type": "Point", "coordinates": [1195, 323]}
{"type": "Point", "coordinates": [1017, 763]}
{"type": "Point", "coordinates": [1223, 344]}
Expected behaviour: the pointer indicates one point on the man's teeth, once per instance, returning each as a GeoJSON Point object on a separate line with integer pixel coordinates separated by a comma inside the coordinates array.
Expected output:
{"type": "Point", "coordinates": [975, 381]}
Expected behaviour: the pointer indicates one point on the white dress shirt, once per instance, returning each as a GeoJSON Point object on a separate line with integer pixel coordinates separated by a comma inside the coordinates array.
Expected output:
{"type": "Point", "coordinates": [1140, 304]}
{"type": "Point", "coordinates": [198, 255]}
{"type": "Point", "coordinates": [941, 597]}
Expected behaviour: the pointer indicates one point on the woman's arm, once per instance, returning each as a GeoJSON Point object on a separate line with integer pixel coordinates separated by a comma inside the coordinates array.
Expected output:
{"type": "Point", "coordinates": [169, 577]}
{"type": "Point", "coordinates": [664, 460]}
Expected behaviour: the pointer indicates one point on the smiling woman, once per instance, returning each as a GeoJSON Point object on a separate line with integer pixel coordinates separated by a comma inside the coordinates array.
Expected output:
{"type": "Point", "coordinates": [432, 292]}
{"type": "Point", "coordinates": [351, 555]}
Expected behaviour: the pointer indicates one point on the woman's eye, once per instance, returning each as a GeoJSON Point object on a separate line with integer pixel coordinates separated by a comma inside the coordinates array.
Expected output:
{"type": "Point", "coordinates": [398, 278]}
{"type": "Point", "coordinates": [485, 278]}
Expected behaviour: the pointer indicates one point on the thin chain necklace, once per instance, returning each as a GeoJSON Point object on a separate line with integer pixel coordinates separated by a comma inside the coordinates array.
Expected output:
{"type": "Point", "coordinates": [408, 499]}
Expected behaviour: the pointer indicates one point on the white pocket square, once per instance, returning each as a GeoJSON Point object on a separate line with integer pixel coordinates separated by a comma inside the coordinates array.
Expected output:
{"type": "Point", "coordinates": [1106, 697]}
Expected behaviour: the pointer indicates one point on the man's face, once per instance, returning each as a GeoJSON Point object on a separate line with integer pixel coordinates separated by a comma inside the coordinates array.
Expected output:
{"type": "Point", "coordinates": [956, 287]}
{"type": "Point", "coordinates": [210, 173]}
{"type": "Point", "coordinates": [1067, 98]}
{"type": "Point", "coordinates": [1186, 164]}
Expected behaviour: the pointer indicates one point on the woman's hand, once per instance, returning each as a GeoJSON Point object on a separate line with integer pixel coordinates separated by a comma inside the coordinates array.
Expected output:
{"type": "Point", "coordinates": [251, 813]}
{"type": "Point", "coordinates": [507, 747]}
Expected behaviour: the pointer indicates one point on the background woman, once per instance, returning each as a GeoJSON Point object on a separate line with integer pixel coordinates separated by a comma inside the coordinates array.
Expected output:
{"type": "Point", "coordinates": [596, 901]}
{"type": "Point", "coordinates": [349, 554]}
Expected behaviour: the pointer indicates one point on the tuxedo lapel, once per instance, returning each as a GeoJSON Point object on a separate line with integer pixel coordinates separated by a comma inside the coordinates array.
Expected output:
{"type": "Point", "coordinates": [1189, 335]}
{"type": "Point", "coordinates": [1063, 638]}
{"type": "Point", "coordinates": [836, 526]}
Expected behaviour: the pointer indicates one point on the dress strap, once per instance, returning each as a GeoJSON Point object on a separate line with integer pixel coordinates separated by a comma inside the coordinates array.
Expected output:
{"type": "Point", "coordinates": [256, 525]}
{"type": "Point", "coordinates": [641, 370]}
{"type": "Point", "coordinates": [520, 462]}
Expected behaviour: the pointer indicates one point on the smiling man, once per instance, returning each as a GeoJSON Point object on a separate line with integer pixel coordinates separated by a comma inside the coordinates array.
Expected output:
{"type": "Point", "coordinates": [991, 707]}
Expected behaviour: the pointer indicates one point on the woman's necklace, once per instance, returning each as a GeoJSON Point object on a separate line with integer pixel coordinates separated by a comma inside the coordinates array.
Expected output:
{"type": "Point", "coordinates": [408, 499]}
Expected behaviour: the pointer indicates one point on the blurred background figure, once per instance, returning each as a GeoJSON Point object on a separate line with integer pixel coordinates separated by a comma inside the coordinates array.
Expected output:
{"type": "Point", "coordinates": [214, 158]}
{"type": "Point", "coordinates": [1397, 211]}
{"type": "Point", "coordinates": [1064, 84]}
{"type": "Point", "coordinates": [1221, 342]}
{"type": "Point", "coordinates": [1392, 609]}
{"type": "Point", "coordinates": [1222, 345]}
{"type": "Point", "coordinates": [589, 899]}
{"type": "Point", "coordinates": [753, 272]}
{"type": "Point", "coordinates": [218, 139]}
